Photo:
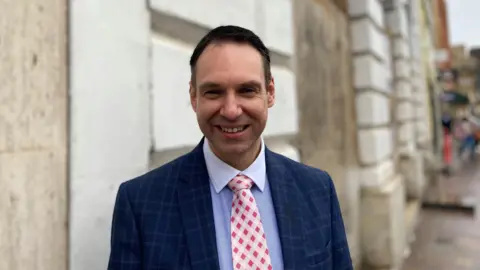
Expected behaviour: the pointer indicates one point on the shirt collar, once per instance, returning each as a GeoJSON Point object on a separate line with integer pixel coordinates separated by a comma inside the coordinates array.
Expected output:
{"type": "Point", "coordinates": [221, 173]}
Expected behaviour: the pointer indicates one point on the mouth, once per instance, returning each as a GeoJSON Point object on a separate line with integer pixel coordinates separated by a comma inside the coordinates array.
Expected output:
{"type": "Point", "coordinates": [233, 130]}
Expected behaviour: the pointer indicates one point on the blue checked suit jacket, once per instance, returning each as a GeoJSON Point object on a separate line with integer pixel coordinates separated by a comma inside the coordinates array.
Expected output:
{"type": "Point", "coordinates": [164, 218]}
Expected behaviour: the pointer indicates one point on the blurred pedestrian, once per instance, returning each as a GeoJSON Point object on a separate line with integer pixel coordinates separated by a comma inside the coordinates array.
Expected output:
{"type": "Point", "coordinates": [467, 138]}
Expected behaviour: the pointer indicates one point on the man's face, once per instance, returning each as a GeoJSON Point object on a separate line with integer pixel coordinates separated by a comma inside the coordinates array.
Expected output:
{"type": "Point", "coordinates": [230, 97]}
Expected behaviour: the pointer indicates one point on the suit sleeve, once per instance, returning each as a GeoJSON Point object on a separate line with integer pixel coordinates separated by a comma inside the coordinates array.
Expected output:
{"type": "Point", "coordinates": [125, 247]}
{"type": "Point", "coordinates": [340, 249]}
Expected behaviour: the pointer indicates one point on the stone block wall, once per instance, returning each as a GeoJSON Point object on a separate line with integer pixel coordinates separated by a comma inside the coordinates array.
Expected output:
{"type": "Point", "coordinates": [424, 37]}
{"type": "Point", "coordinates": [383, 233]}
{"type": "Point", "coordinates": [401, 22]}
{"type": "Point", "coordinates": [382, 188]}
{"type": "Point", "coordinates": [371, 76]}
{"type": "Point", "coordinates": [423, 73]}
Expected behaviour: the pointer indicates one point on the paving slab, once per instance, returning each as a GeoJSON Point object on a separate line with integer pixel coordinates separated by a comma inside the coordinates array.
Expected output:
{"type": "Point", "coordinates": [447, 239]}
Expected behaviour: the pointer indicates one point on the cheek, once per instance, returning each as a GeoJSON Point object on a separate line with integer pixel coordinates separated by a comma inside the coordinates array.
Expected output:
{"type": "Point", "coordinates": [257, 112]}
{"type": "Point", "coordinates": [206, 110]}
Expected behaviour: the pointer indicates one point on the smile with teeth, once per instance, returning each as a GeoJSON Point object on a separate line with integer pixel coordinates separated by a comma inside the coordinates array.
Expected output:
{"type": "Point", "coordinates": [233, 130]}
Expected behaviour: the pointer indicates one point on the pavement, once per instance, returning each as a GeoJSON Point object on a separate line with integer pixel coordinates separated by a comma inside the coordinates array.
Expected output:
{"type": "Point", "coordinates": [448, 239]}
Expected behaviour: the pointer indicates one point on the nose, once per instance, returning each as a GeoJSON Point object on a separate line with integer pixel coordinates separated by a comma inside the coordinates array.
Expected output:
{"type": "Point", "coordinates": [231, 109]}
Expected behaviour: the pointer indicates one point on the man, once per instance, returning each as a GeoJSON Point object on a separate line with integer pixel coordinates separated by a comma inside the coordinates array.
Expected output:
{"type": "Point", "coordinates": [231, 203]}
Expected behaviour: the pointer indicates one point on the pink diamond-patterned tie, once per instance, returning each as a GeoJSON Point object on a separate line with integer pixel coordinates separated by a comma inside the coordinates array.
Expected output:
{"type": "Point", "coordinates": [249, 245]}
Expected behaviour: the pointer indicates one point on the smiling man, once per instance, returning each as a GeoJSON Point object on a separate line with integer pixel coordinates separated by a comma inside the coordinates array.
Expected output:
{"type": "Point", "coordinates": [231, 203]}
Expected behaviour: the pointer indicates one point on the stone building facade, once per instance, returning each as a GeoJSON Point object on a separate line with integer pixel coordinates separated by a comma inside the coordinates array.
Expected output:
{"type": "Point", "coordinates": [349, 101]}
{"type": "Point", "coordinates": [393, 117]}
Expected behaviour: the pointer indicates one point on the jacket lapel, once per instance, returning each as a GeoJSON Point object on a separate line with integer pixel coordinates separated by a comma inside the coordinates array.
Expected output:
{"type": "Point", "coordinates": [288, 210]}
{"type": "Point", "coordinates": [196, 210]}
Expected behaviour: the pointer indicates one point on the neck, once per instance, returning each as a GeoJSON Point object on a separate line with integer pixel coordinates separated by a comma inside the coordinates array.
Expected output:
{"type": "Point", "coordinates": [243, 160]}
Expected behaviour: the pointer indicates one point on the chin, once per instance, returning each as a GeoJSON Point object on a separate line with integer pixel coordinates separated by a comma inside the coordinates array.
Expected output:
{"type": "Point", "coordinates": [237, 148]}
{"type": "Point", "coordinates": [229, 148]}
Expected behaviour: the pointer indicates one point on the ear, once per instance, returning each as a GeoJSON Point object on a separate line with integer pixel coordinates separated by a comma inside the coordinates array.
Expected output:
{"type": "Point", "coordinates": [193, 96]}
{"type": "Point", "coordinates": [271, 93]}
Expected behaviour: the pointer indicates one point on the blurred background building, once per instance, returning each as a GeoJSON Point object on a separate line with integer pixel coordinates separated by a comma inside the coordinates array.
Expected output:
{"type": "Point", "coordinates": [94, 93]}
{"type": "Point", "coordinates": [457, 66]}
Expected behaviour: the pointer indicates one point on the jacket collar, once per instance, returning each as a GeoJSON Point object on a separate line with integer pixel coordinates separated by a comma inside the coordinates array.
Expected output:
{"type": "Point", "coordinates": [197, 212]}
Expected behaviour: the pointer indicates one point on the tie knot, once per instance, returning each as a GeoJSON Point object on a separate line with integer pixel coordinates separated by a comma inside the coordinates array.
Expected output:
{"type": "Point", "coordinates": [240, 182]}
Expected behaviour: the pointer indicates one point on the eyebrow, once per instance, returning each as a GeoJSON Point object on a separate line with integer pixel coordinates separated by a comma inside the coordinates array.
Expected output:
{"type": "Point", "coordinates": [251, 83]}
{"type": "Point", "coordinates": [208, 85]}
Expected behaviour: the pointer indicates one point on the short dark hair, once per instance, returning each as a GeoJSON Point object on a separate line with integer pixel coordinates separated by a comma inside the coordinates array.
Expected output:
{"type": "Point", "coordinates": [231, 33]}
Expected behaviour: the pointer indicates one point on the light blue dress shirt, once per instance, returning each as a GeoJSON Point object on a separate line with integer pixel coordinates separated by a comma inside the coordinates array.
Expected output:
{"type": "Point", "coordinates": [220, 174]}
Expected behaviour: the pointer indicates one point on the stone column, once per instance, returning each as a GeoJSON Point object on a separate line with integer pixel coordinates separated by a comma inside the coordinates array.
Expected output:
{"type": "Point", "coordinates": [382, 199]}
{"type": "Point", "coordinates": [408, 159]}
{"type": "Point", "coordinates": [33, 135]}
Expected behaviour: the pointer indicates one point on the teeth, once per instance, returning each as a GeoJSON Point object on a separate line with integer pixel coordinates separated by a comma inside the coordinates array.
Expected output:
{"type": "Point", "coordinates": [232, 130]}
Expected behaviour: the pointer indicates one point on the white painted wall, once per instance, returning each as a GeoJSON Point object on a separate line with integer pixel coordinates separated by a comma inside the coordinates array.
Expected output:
{"type": "Point", "coordinates": [110, 118]}
{"type": "Point", "coordinates": [124, 103]}
{"type": "Point", "coordinates": [211, 13]}
{"type": "Point", "coordinates": [283, 116]}
{"type": "Point", "coordinates": [170, 96]}
{"type": "Point", "coordinates": [270, 19]}
{"type": "Point", "coordinates": [278, 25]}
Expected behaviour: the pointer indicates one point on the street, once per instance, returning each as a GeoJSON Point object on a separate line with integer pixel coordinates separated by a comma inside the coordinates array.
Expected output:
{"type": "Point", "coordinates": [449, 239]}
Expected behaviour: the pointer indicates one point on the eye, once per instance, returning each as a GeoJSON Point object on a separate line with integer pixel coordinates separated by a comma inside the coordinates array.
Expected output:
{"type": "Point", "coordinates": [247, 90]}
{"type": "Point", "coordinates": [212, 93]}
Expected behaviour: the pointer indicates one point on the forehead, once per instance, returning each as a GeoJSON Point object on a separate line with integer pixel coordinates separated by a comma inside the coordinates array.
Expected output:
{"type": "Point", "coordinates": [229, 62]}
